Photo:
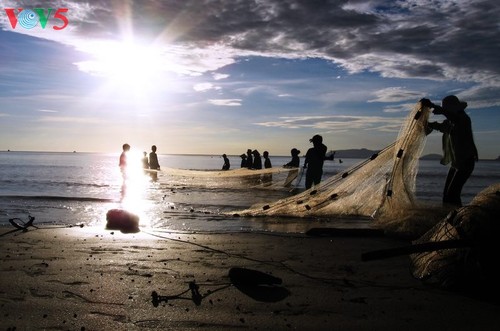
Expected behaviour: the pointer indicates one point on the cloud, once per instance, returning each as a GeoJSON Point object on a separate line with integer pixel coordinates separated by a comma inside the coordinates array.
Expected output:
{"type": "Point", "coordinates": [203, 87]}
{"type": "Point", "coordinates": [395, 94]}
{"type": "Point", "coordinates": [400, 108]}
{"type": "Point", "coordinates": [225, 102]}
{"type": "Point", "coordinates": [337, 123]}
{"type": "Point", "coordinates": [47, 111]}
{"type": "Point", "coordinates": [427, 39]}
{"type": "Point", "coordinates": [218, 76]}
{"type": "Point", "coordinates": [479, 96]}
{"type": "Point", "coordinates": [69, 119]}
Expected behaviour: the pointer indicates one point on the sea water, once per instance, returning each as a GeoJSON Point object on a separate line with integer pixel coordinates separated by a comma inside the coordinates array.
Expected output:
{"type": "Point", "coordinates": [79, 188]}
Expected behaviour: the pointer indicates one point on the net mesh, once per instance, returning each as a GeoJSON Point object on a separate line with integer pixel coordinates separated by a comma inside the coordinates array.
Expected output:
{"type": "Point", "coordinates": [476, 263]}
{"type": "Point", "coordinates": [277, 178]}
{"type": "Point", "coordinates": [382, 186]}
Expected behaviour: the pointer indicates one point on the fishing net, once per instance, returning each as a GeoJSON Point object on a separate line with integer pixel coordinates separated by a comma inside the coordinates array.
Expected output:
{"type": "Point", "coordinates": [277, 178]}
{"type": "Point", "coordinates": [382, 186]}
{"type": "Point", "coordinates": [474, 230]}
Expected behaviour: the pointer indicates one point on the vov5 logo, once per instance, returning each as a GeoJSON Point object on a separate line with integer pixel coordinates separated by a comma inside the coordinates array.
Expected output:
{"type": "Point", "coordinates": [29, 18]}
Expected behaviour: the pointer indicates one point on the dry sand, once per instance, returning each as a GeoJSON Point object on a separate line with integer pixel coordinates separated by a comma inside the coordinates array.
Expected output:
{"type": "Point", "coordinates": [93, 279]}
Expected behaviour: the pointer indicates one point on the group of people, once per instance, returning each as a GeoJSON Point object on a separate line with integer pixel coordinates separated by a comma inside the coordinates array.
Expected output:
{"type": "Point", "coordinates": [147, 163]}
{"type": "Point", "coordinates": [152, 162]}
{"type": "Point", "coordinates": [250, 160]}
{"type": "Point", "coordinates": [459, 150]}
{"type": "Point", "coordinates": [253, 160]}
{"type": "Point", "coordinates": [314, 160]}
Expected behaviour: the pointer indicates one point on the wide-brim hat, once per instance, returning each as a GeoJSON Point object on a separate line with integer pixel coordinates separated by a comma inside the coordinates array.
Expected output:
{"type": "Point", "coordinates": [451, 102]}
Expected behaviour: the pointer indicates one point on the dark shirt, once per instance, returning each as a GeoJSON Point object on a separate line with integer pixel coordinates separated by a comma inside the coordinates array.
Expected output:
{"type": "Point", "coordinates": [257, 162]}
{"type": "Point", "coordinates": [267, 163]}
{"type": "Point", "coordinates": [153, 161]}
{"type": "Point", "coordinates": [458, 141]}
{"type": "Point", "coordinates": [244, 163]}
{"type": "Point", "coordinates": [226, 164]}
{"type": "Point", "coordinates": [315, 158]}
{"type": "Point", "coordinates": [249, 160]}
{"type": "Point", "coordinates": [295, 162]}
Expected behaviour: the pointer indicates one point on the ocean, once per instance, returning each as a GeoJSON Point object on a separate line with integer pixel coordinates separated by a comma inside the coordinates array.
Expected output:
{"type": "Point", "coordinates": [79, 188]}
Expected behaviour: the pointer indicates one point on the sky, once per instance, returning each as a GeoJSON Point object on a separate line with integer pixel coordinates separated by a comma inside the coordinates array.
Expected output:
{"type": "Point", "coordinates": [223, 76]}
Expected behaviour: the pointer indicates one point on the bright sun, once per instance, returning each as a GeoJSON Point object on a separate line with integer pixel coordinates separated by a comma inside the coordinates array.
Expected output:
{"type": "Point", "coordinates": [133, 65]}
{"type": "Point", "coordinates": [128, 66]}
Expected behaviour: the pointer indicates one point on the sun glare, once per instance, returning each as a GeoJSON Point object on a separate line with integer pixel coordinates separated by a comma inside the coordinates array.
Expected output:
{"type": "Point", "coordinates": [134, 187]}
{"type": "Point", "coordinates": [128, 66]}
{"type": "Point", "coordinates": [133, 65]}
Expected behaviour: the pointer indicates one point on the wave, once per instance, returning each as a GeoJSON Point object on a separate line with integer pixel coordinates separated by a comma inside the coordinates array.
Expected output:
{"type": "Point", "coordinates": [56, 198]}
{"type": "Point", "coordinates": [32, 182]}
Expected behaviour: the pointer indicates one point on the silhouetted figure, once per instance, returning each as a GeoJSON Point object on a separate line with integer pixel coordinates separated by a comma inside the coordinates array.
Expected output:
{"type": "Point", "coordinates": [123, 168]}
{"type": "Point", "coordinates": [315, 158]}
{"type": "Point", "coordinates": [243, 160]}
{"type": "Point", "coordinates": [145, 162]}
{"type": "Point", "coordinates": [267, 161]}
{"type": "Point", "coordinates": [123, 160]}
{"type": "Point", "coordinates": [267, 179]}
{"type": "Point", "coordinates": [257, 161]}
{"type": "Point", "coordinates": [458, 145]}
{"type": "Point", "coordinates": [153, 159]}
{"type": "Point", "coordinates": [295, 162]}
{"type": "Point", "coordinates": [226, 164]}
{"type": "Point", "coordinates": [153, 163]}
{"type": "Point", "coordinates": [249, 159]}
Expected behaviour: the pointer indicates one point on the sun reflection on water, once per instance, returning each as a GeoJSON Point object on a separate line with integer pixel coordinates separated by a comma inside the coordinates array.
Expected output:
{"type": "Point", "coordinates": [134, 190]}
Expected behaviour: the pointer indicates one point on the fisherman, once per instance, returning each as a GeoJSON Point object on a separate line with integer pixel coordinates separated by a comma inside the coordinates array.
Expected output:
{"type": "Point", "coordinates": [257, 161]}
{"type": "Point", "coordinates": [315, 158]}
{"type": "Point", "coordinates": [249, 159]}
{"type": "Point", "coordinates": [243, 160]}
{"type": "Point", "coordinates": [267, 161]}
{"type": "Point", "coordinates": [123, 160]}
{"type": "Point", "coordinates": [226, 164]}
{"type": "Point", "coordinates": [153, 163]}
{"type": "Point", "coordinates": [153, 159]}
{"type": "Point", "coordinates": [295, 162]}
{"type": "Point", "coordinates": [458, 145]}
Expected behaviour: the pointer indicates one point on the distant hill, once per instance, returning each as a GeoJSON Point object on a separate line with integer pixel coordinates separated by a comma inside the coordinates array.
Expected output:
{"type": "Point", "coordinates": [362, 153]}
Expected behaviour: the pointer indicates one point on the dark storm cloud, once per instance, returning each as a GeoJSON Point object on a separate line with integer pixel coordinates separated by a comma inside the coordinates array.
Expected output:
{"type": "Point", "coordinates": [411, 39]}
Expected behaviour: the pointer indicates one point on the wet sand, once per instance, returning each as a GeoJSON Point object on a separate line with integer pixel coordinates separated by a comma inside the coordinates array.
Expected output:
{"type": "Point", "coordinates": [94, 279]}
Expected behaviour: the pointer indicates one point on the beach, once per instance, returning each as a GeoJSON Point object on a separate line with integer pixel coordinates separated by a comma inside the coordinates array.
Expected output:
{"type": "Point", "coordinates": [89, 278]}
{"type": "Point", "coordinates": [68, 272]}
